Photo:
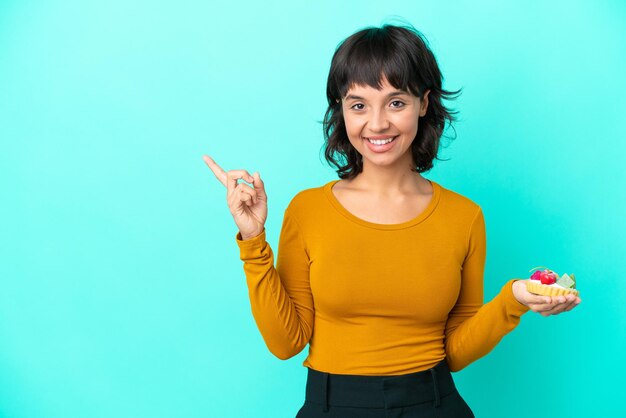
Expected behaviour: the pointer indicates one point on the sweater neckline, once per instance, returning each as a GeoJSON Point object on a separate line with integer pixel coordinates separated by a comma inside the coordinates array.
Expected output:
{"type": "Point", "coordinates": [434, 200]}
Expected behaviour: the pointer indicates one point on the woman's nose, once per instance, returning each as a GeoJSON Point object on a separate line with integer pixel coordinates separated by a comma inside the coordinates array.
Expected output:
{"type": "Point", "coordinates": [378, 121]}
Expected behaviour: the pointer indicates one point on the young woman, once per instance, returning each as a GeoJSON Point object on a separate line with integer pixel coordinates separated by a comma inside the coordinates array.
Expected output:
{"type": "Point", "coordinates": [380, 272]}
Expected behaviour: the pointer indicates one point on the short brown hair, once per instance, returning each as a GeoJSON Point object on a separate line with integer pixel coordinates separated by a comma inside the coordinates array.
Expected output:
{"type": "Point", "coordinates": [402, 55]}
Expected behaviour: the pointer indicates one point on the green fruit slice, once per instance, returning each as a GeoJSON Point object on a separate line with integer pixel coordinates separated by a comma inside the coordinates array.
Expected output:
{"type": "Point", "coordinates": [566, 281]}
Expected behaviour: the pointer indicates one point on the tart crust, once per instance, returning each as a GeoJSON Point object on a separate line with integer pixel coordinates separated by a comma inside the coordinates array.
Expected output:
{"type": "Point", "coordinates": [534, 286]}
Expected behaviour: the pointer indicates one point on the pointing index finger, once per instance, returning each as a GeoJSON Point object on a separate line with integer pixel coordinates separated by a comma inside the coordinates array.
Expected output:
{"type": "Point", "coordinates": [219, 173]}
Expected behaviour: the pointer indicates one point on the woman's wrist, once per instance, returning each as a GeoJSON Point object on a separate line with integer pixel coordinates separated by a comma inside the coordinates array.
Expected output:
{"type": "Point", "coordinates": [250, 236]}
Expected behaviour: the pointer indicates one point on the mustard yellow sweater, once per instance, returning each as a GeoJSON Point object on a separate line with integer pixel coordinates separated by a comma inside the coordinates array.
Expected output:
{"type": "Point", "coordinates": [377, 299]}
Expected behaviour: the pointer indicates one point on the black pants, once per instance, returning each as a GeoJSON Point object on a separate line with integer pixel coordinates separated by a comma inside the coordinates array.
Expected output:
{"type": "Point", "coordinates": [430, 393]}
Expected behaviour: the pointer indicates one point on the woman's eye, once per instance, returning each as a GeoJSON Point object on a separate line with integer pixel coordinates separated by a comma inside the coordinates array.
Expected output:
{"type": "Point", "coordinates": [395, 103]}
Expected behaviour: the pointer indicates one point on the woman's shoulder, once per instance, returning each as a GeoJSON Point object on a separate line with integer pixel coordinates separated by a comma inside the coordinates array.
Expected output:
{"type": "Point", "coordinates": [459, 200]}
{"type": "Point", "coordinates": [309, 197]}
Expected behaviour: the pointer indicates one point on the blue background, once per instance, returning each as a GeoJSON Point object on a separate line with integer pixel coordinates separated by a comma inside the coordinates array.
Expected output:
{"type": "Point", "coordinates": [122, 293]}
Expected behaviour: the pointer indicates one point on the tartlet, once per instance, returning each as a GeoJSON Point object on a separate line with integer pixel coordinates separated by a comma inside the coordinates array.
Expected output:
{"type": "Point", "coordinates": [548, 283]}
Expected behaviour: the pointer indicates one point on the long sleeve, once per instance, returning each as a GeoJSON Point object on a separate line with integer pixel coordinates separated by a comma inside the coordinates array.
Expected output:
{"type": "Point", "coordinates": [474, 329]}
{"type": "Point", "coordinates": [280, 298]}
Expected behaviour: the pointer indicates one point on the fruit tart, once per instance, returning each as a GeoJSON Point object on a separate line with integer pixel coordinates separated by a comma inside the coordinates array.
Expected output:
{"type": "Point", "coordinates": [547, 283]}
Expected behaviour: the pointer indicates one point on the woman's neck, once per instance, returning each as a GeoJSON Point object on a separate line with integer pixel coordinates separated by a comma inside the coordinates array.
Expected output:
{"type": "Point", "coordinates": [387, 183]}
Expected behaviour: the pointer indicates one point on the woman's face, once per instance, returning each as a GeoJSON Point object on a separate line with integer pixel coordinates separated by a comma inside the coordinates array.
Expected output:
{"type": "Point", "coordinates": [371, 114]}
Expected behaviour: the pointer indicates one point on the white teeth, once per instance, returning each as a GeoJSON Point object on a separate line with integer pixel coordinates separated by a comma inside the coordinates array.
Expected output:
{"type": "Point", "coordinates": [381, 142]}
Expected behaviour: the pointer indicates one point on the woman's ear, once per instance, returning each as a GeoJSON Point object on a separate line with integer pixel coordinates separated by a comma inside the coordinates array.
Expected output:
{"type": "Point", "coordinates": [424, 103]}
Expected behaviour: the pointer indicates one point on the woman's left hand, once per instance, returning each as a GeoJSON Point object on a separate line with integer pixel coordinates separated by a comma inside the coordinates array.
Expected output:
{"type": "Point", "coordinates": [545, 305]}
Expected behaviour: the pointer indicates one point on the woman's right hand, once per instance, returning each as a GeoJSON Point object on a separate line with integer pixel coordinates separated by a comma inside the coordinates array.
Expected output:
{"type": "Point", "coordinates": [247, 205]}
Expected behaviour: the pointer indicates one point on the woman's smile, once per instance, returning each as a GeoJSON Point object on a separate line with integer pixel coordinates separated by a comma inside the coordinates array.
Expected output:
{"type": "Point", "coordinates": [380, 145]}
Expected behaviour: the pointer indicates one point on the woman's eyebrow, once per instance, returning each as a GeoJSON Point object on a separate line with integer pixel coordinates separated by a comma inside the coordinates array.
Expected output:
{"type": "Point", "coordinates": [392, 94]}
